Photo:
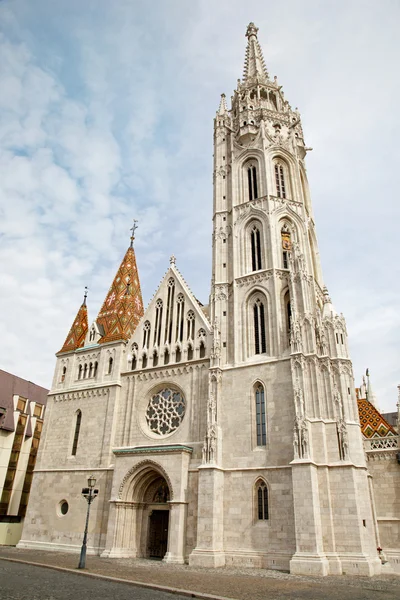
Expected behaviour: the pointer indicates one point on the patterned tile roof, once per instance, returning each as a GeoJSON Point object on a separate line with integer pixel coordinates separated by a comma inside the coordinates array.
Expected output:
{"type": "Point", "coordinates": [76, 336]}
{"type": "Point", "coordinates": [372, 422]}
{"type": "Point", "coordinates": [123, 307]}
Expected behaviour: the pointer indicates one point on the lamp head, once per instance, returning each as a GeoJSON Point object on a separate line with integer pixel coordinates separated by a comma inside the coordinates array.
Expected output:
{"type": "Point", "coordinates": [91, 481]}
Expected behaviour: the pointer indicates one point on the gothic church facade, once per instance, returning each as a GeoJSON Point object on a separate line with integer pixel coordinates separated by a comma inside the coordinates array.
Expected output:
{"type": "Point", "coordinates": [225, 434]}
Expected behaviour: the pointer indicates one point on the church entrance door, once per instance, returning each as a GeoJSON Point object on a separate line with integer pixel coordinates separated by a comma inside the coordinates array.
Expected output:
{"type": "Point", "coordinates": [158, 533]}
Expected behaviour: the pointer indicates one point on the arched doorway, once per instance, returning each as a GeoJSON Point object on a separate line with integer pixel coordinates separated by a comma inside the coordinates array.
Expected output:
{"type": "Point", "coordinates": [143, 513]}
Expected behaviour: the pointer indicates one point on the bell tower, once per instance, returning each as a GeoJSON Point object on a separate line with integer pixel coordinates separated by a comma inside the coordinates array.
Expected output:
{"type": "Point", "coordinates": [282, 422]}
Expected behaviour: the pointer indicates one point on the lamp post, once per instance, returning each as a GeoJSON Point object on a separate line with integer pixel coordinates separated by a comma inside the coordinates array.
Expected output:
{"type": "Point", "coordinates": [90, 494]}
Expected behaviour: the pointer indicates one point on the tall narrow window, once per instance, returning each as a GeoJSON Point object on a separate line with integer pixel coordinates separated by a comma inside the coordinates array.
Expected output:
{"type": "Point", "coordinates": [96, 364]}
{"type": "Point", "coordinates": [202, 352]}
{"type": "Point", "coordinates": [170, 308]}
{"type": "Point", "coordinates": [260, 417]}
{"type": "Point", "coordinates": [280, 181]}
{"type": "Point", "coordinates": [155, 358]}
{"type": "Point", "coordinates": [190, 325]}
{"type": "Point", "coordinates": [286, 246]}
{"type": "Point", "coordinates": [255, 238]}
{"type": "Point", "coordinates": [144, 361]}
{"type": "Point", "coordinates": [76, 433]}
{"type": "Point", "coordinates": [90, 369]}
{"type": "Point", "coordinates": [85, 371]}
{"type": "Point", "coordinates": [80, 372]}
{"type": "Point", "coordinates": [146, 334]}
{"type": "Point", "coordinates": [180, 309]}
{"type": "Point", "coordinates": [262, 501]}
{"type": "Point", "coordinates": [190, 352]}
{"type": "Point", "coordinates": [158, 323]}
{"type": "Point", "coordinates": [64, 372]}
{"type": "Point", "coordinates": [178, 354]}
{"type": "Point", "coordinates": [110, 365]}
{"type": "Point", "coordinates": [259, 327]}
{"type": "Point", "coordinates": [166, 357]}
{"type": "Point", "coordinates": [252, 182]}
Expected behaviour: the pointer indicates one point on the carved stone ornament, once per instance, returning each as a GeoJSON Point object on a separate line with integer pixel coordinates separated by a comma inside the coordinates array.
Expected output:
{"type": "Point", "coordinates": [301, 444]}
{"type": "Point", "coordinates": [343, 439]}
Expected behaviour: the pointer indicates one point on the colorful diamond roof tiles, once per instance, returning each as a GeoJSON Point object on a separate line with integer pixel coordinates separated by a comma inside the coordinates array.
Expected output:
{"type": "Point", "coordinates": [372, 422]}
{"type": "Point", "coordinates": [123, 307]}
{"type": "Point", "coordinates": [77, 333]}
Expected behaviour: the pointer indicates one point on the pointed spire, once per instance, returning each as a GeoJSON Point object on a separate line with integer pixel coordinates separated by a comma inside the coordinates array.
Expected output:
{"type": "Point", "coordinates": [254, 64]}
{"type": "Point", "coordinates": [123, 307]}
{"type": "Point", "coordinates": [76, 336]}
{"type": "Point", "coordinates": [223, 109]}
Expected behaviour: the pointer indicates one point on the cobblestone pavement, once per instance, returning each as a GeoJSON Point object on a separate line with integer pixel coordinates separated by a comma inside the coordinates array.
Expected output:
{"type": "Point", "coordinates": [25, 582]}
{"type": "Point", "coordinates": [237, 583]}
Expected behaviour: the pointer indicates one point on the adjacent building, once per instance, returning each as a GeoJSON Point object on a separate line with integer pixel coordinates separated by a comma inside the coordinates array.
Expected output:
{"type": "Point", "coordinates": [22, 407]}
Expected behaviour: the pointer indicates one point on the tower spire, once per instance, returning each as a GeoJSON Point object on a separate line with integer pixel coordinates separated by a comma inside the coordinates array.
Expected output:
{"type": "Point", "coordinates": [76, 335]}
{"type": "Point", "coordinates": [123, 306]}
{"type": "Point", "coordinates": [254, 64]}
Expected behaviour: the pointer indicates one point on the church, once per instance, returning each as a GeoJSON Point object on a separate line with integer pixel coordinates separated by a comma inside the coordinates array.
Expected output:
{"type": "Point", "coordinates": [225, 434]}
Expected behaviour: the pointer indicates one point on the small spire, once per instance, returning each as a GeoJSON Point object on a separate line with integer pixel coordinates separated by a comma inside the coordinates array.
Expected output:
{"type": "Point", "coordinates": [172, 260]}
{"type": "Point", "coordinates": [254, 64]}
{"type": "Point", "coordinates": [223, 109]}
{"type": "Point", "coordinates": [133, 229]}
{"type": "Point", "coordinates": [76, 336]}
{"type": "Point", "coordinates": [85, 295]}
{"type": "Point", "coordinates": [327, 298]}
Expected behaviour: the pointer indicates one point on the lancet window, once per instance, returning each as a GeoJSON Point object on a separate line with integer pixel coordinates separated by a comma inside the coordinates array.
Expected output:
{"type": "Point", "coordinates": [255, 239]}
{"type": "Point", "coordinates": [158, 323]}
{"type": "Point", "coordinates": [134, 356]}
{"type": "Point", "coordinates": [191, 322]}
{"type": "Point", "coordinates": [170, 310]}
{"type": "Point", "coordinates": [180, 310]}
{"type": "Point", "coordinates": [259, 327]}
{"type": "Point", "coordinates": [261, 426]}
{"type": "Point", "coordinates": [262, 501]}
{"type": "Point", "coordinates": [252, 182]}
{"type": "Point", "coordinates": [146, 334]}
{"type": "Point", "coordinates": [280, 181]}
{"type": "Point", "coordinates": [76, 432]}
{"type": "Point", "coordinates": [110, 365]}
{"type": "Point", "coordinates": [286, 246]}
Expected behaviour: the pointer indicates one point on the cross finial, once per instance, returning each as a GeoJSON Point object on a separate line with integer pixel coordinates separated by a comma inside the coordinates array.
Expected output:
{"type": "Point", "coordinates": [133, 229]}
{"type": "Point", "coordinates": [85, 295]}
{"type": "Point", "coordinates": [172, 260]}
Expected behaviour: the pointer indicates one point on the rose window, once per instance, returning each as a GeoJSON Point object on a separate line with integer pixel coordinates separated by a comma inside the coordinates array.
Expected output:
{"type": "Point", "coordinates": [165, 411]}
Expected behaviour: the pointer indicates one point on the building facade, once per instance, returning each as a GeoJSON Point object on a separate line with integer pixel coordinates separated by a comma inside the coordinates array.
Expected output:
{"type": "Point", "coordinates": [22, 407]}
{"type": "Point", "coordinates": [225, 434]}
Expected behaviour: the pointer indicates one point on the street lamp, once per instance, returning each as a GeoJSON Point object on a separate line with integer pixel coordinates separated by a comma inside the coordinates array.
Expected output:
{"type": "Point", "coordinates": [90, 494]}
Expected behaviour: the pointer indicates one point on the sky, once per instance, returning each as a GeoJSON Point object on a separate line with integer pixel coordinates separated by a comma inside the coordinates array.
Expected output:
{"type": "Point", "coordinates": [106, 115]}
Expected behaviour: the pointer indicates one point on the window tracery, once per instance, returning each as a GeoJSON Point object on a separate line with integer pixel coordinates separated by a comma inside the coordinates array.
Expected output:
{"type": "Point", "coordinates": [259, 327]}
{"type": "Point", "coordinates": [191, 322]}
{"type": "Point", "coordinates": [146, 334]}
{"type": "Point", "coordinates": [158, 322]}
{"type": "Point", "coordinates": [170, 310]}
{"type": "Point", "coordinates": [165, 411]}
{"type": "Point", "coordinates": [255, 239]}
{"type": "Point", "coordinates": [280, 180]}
{"type": "Point", "coordinates": [262, 501]}
{"type": "Point", "coordinates": [180, 310]}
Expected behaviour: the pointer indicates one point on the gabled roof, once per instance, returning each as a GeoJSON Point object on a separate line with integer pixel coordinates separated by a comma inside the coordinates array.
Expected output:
{"type": "Point", "coordinates": [123, 306]}
{"type": "Point", "coordinates": [372, 422]}
{"type": "Point", "coordinates": [76, 336]}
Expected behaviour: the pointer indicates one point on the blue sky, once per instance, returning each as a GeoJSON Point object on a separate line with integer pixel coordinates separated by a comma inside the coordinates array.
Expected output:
{"type": "Point", "coordinates": [106, 115]}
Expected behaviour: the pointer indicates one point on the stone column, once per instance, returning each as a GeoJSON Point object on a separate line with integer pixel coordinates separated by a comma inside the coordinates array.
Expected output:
{"type": "Point", "coordinates": [176, 532]}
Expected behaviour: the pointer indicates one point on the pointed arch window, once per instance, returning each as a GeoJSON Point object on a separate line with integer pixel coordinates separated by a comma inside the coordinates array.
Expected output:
{"type": "Point", "coordinates": [252, 182]}
{"type": "Point", "coordinates": [144, 361]}
{"type": "Point", "coordinates": [262, 501]}
{"type": "Point", "coordinates": [64, 372]}
{"type": "Point", "coordinates": [158, 323]}
{"type": "Point", "coordinates": [80, 368]}
{"type": "Point", "coordinates": [76, 432]}
{"type": "Point", "coordinates": [134, 356]}
{"type": "Point", "coordinates": [255, 239]}
{"type": "Point", "coordinates": [166, 356]}
{"type": "Point", "coordinates": [191, 322]}
{"type": "Point", "coordinates": [96, 364]}
{"type": "Point", "coordinates": [85, 371]}
{"type": "Point", "coordinates": [178, 354]}
{"type": "Point", "coordinates": [287, 315]}
{"type": "Point", "coordinates": [259, 327]}
{"type": "Point", "coordinates": [170, 310]}
{"type": "Point", "coordinates": [110, 365]}
{"type": "Point", "coordinates": [90, 370]}
{"type": "Point", "coordinates": [155, 358]}
{"type": "Point", "coordinates": [280, 181]}
{"type": "Point", "coordinates": [146, 334]}
{"type": "Point", "coordinates": [190, 352]}
{"type": "Point", "coordinates": [286, 246]}
{"type": "Point", "coordinates": [180, 310]}
{"type": "Point", "coordinates": [202, 350]}
{"type": "Point", "coordinates": [261, 426]}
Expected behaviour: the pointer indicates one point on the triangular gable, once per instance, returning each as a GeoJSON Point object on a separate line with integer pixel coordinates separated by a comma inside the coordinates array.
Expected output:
{"type": "Point", "coordinates": [190, 304]}
{"type": "Point", "coordinates": [371, 420]}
